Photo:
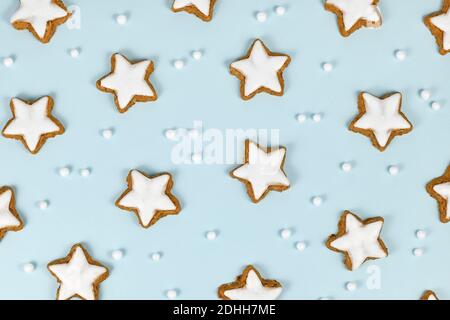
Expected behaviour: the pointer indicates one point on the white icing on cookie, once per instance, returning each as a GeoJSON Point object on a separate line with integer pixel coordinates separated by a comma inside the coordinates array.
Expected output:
{"type": "Point", "coordinates": [77, 277]}
{"type": "Point", "coordinates": [148, 195]}
{"type": "Point", "coordinates": [442, 22]}
{"type": "Point", "coordinates": [128, 80]}
{"type": "Point", "coordinates": [253, 290]}
{"type": "Point", "coordinates": [264, 169]}
{"type": "Point", "coordinates": [432, 296]}
{"type": "Point", "coordinates": [202, 5]}
{"type": "Point", "coordinates": [7, 219]}
{"type": "Point", "coordinates": [31, 122]}
{"type": "Point", "coordinates": [443, 190]}
{"type": "Point", "coordinates": [354, 10]}
{"type": "Point", "coordinates": [38, 13]}
{"type": "Point", "coordinates": [261, 69]}
{"type": "Point", "coordinates": [382, 116]}
{"type": "Point", "coordinates": [360, 241]}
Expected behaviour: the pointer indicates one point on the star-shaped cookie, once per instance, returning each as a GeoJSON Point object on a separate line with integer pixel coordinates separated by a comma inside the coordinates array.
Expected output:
{"type": "Point", "coordinates": [380, 119]}
{"type": "Point", "coordinates": [9, 217]}
{"type": "Point", "coordinates": [78, 275]}
{"type": "Point", "coordinates": [429, 295]}
{"type": "Point", "coordinates": [439, 25]}
{"type": "Point", "coordinates": [260, 71]}
{"type": "Point", "coordinates": [359, 240]}
{"type": "Point", "coordinates": [250, 286]}
{"type": "Point", "coordinates": [203, 9]}
{"type": "Point", "coordinates": [149, 197]}
{"type": "Point", "coordinates": [355, 14]}
{"type": "Point", "coordinates": [439, 189]}
{"type": "Point", "coordinates": [32, 123]}
{"type": "Point", "coordinates": [40, 17]}
{"type": "Point", "coordinates": [262, 171]}
{"type": "Point", "coordinates": [129, 82]}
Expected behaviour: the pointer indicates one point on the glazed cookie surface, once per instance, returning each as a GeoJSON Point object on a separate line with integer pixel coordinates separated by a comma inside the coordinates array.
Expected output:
{"type": "Point", "coordinates": [250, 286]}
{"type": "Point", "coordinates": [203, 9]}
{"type": "Point", "coordinates": [78, 275]}
{"type": "Point", "coordinates": [40, 17]}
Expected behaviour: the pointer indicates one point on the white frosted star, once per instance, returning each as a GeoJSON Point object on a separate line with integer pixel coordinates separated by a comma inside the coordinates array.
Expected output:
{"type": "Point", "coordinates": [442, 22]}
{"type": "Point", "coordinates": [261, 70]}
{"type": "Point", "coordinates": [262, 169]}
{"type": "Point", "coordinates": [147, 196]}
{"type": "Point", "coordinates": [129, 81]}
{"type": "Point", "coordinates": [77, 277]}
{"type": "Point", "coordinates": [253, 290]}
{"type": "Point", "coordinates": [382, 117]}
{"type": "Point", "coordinates": [443, 190]}
{"type": "Point", "coordinates": [32, 123]}
{"type": "Point", "coordinates": [355, 10]}
{"type": "Point", "coordinates": [202, 5]}
{"type": "Point", "coordinates": [7, 218]}
{"type": "Point", "coordinates": [360, 241]}
{"type": "Point", "coordinates": [38, 13]}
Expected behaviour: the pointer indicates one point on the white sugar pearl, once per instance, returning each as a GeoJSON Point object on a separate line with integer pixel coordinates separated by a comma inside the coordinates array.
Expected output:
{"type": "Point", "coordinates": [300, 246]}
{"type": "Point", "coordinates": [400, 55]}
{"type": "Point", "coordinates": [351, 286]}
{"type": "Point", "coordinates": [211, 235]}
{"type": "Point", "coordinates": [327, 66]}
{"type": "Point", "coordinates": [417, 252]}
{"type": "Point", "coordinates": [435, 105]}
{"type": "Point", "coordinates": [156, 256]}
{"type": "Point", "coordinates": [43, 205]}
{"type": "Point", "coordinates": [421, 234]}
{"type": "Point", "coordinates": [28, 267]}
{"type": "Point", "coordinates": [280, 10]}
{"type": "Point", "coordinates": [117, 254]}
{"type": "Point", "coordinates": [317, 201]}
{"type": "Point", "coordinates": [261, 16]}
{"type": "Point", "coordinates": [8, 61]}
{"type": "Point", "coordinates": [170, 134]}
{"type": "Point", "coordinates": [393, 170]}
{"type": "Point", "coordinates": [172, 294]}
{"type": "Point", "coordinates": [425, 94]}
{"type": "Point", "coordinates": [301, 117]}
{"type": "Point", "coordinates": [74, 53]}
{"type": "Point", "coordinates": [285, 233]}
{"type": "Point", "coordinates": [197, 54]}
{"type": "Point", "coordinates": [64, 171]}
{"type": "Point", "coordinates": [86, 172]}
{"type": "Point", "coordinates": [197, 158]}
{"type": "Point", "coordinates": [107, 133]}
{"type": "Point", "coordinates": [121, 19]}
{"type": "Point", "coordinates": [346, 166]}
{"type": "Point", "coordinates": [317, 117]}
{"type": "Point", "coordinates": [178, 64]}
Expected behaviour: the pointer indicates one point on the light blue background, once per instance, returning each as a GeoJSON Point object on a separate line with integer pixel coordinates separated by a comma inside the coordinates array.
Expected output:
{"type": "Point", "coordinates": [82, 209]}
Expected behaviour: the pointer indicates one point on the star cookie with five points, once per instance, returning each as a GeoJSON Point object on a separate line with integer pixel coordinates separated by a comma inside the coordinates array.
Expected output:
{"type": "Point", "coordinates": [78, 275]}
{"type": "Point", "coordinates": [359, 240]}
{"type": "Point", "coordinates": [260, 71]}
{"type": "Point", "coordinates": [439, 189]}
{"type": "Point", "coordinates": [40, 17]}
{"type": "Point", "coordinates": [32, 123]}
{"type": "Point", "coordinates": [129, 82]}
{"type": "Point", "coordinates": [262, 171]}
{"type": "Point", "coordinates": [439, 25]}
{"type": "Point", "coordinates": [149, 197]}
{"type": "Point", "coordinates": [250, 286]}
{"type": "Point", "coordinates": [203, 9]}
{"type": "Point", "coordinates": [429, 295]}
{"type": "Point", "coordinates": [9, 217]}
{"type": "Point", "coordinates": [380, 119]}
{"type": "Point", "coordinates": [355, 14]}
